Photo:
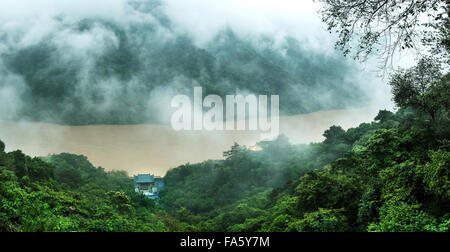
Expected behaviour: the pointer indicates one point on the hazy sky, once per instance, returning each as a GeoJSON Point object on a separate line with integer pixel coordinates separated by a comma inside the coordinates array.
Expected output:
{"type": "Point", "coordinates": [275, 17]}
{"type": "Point", "coordinates": [201, 18]}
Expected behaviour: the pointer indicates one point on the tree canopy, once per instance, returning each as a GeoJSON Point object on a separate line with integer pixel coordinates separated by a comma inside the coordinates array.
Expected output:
{"type": "Point", "coordinates": [385, 27]}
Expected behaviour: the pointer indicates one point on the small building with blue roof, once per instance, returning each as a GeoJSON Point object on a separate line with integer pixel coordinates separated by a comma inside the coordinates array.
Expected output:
{"type": "Point", "coordinates": [148, 185]}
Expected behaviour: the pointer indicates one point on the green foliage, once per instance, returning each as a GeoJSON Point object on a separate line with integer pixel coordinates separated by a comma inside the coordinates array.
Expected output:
{"type": "Point", "coordinates": [329, 191]}
{"type": "Point", "coordinates": [2, 146]}
{"type": "Point", "coordinates": [411, 87]}
{"type": "Point", "coordinates": [322, 221]}
{"type": "Point", "coordinates": [334, 135]}
{"type": "Point", "coordinates": [120, 201]}
{"type": "Point", "coordinates": [437, 173]}
{"type": "Point", "coordinates": [391, 175]}
{"type": "Point", "coordinates": [376, 177]}
{"type": "Point", "coordinates": [95, 202]}
{"type": "Point", "coordinates": [2, 154]}
{"type": "Point", "coordinates": [402, 217]}
{"type": "Point", "coordinates": [201, 188]}
{"type": "Point", "coordinates": [19, 165]}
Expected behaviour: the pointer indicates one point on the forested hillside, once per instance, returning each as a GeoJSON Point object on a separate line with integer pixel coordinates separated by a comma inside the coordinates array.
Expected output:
{"type": "Point", "coordinates": [110, 71]}
{"type": "Point", "coordinates": [388, 175]}
{"type": "Point", "coordinates": [392, 174]}
{"type": "Point", "coordinates": [66, 193]}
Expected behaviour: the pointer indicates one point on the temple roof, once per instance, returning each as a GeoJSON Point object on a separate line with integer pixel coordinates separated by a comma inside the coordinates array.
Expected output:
{"type": "Point", "coordinates": [144, 178]}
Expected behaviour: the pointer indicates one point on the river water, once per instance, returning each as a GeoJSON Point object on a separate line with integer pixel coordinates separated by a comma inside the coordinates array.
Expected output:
{"type": "Point", "coordinates": [155, 148]}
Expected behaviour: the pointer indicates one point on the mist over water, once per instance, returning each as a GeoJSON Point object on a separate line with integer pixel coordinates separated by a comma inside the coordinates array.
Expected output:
{"type": "Point", "coordinates": [156, 148]}
{"type": "Point", "coordinates": [80, 63]}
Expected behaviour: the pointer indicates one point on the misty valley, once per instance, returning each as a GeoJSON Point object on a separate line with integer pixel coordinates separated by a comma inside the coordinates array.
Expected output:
{"type": "Point", "coordinates": [224, 116]}
{"type": "Point", "coordinates": [107, 71]}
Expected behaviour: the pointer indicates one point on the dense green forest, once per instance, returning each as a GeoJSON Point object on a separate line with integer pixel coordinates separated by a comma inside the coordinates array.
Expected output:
{"type": "Point", "coordinates": [389, 175]}
{"type": "Point", "coordinates": [392, 174]}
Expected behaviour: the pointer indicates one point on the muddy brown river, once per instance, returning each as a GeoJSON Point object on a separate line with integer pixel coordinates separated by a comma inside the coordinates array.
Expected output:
{"type": "Point", "coordinates": [154, 148]}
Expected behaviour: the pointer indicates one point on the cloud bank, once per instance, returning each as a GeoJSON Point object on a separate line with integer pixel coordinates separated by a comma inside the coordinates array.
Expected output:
{"type": "Point", "coordinates": [120, 62]}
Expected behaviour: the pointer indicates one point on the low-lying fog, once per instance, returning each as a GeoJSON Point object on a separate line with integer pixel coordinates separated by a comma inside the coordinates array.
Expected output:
{"type": "Point", "coordinates": [156, 149]}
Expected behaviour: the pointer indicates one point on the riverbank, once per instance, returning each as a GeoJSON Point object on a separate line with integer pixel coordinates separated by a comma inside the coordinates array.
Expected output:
{"type": "Point", "coordinates": [154, 148]}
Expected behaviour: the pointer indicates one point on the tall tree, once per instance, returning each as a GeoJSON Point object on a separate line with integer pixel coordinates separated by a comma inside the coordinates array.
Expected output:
{"type": "Point", "coordinates": [20, 168]}
{"type": "Point", "coordinates": [384, 27]}
{"type": "Point", "coordinates": [2, 146]}
{"type": "Point", "coordinates": [235, 149]}
{"type": "Point", "coordinates": [2, 154]}
{"type": "Point", "coordinates": [409, 86]}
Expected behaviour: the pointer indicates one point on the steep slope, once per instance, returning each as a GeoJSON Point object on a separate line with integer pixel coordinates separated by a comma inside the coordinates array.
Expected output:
{"type": "Point", "coordinates": [95, 70]}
